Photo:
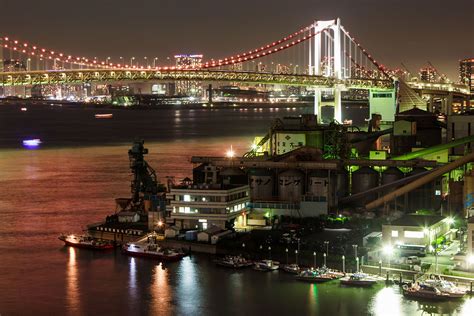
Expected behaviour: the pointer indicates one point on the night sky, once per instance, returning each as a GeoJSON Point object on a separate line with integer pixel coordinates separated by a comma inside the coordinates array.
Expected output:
{"type": "Point", "coordinates": [394, 31]}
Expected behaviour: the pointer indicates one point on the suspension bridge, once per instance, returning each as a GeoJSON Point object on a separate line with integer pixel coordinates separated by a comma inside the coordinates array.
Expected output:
{"type": "Point", "coordinates": [320, 56]}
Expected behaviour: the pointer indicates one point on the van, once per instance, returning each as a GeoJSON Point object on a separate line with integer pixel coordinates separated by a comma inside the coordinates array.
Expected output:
{"type": "Point", "coordinates": [413, 260]}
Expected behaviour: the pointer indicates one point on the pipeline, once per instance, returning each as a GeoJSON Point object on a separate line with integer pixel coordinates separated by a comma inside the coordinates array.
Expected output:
{"type": "Point", "coordinates": [434, 174]}
{"type": "Point", "coordinates": [434, 149]}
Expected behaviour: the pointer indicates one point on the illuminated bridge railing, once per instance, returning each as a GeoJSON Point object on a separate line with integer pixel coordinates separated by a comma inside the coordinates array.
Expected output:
{"type": "Point", "coordinates": [448, 87]}
{"type": "Point", "coordinates": [112, 75]}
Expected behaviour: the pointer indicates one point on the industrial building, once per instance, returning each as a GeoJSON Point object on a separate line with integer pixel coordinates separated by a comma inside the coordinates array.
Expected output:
{"type": "Point", "coordinates": [203, 206]}
{"type": "Point", "coordinates": [413, 229]}
{"type": "Point", "coordinates": [301, 168]}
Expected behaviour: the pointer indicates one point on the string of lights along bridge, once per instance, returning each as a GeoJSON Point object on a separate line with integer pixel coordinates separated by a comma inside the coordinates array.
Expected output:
{"type": "Point", "coordinates": [322, 55]}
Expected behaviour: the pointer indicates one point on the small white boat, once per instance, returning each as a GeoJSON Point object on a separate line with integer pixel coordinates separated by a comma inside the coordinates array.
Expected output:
{"type": "Point", "coordinates": [104, 116]}
{"type": "Point", "coordinates": [233, 262]}
{"type": "Point", "coordinates": [358, 279]}
{"type": "Point", "coordinates": [446, 287]}
{"type": "Point", "coordinates": [315, 276]}
{"type": "Point", "coordinates": [266, 265]}
{"type": "Point", "coordinates": [291, 268]}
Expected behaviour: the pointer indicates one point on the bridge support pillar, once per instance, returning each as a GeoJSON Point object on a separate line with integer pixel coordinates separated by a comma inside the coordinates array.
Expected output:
{"type": "Point", "coordinates": [337, 105]}
{"type": "Point", "coordinates": [317, 104]}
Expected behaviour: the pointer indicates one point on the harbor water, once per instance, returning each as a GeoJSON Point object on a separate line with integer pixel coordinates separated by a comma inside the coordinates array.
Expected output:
{"type": "Point", "coordinates": [72, 179]}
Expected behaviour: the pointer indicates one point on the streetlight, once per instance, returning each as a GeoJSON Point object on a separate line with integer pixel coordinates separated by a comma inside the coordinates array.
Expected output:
{"type": "Point", "coordinates": [121, 61]}
{"type": "Point", "coordinates": [357, 264]}
{"type": "Point", "coordinates": [324, 255]}
{"type": "Point", "coordinates": [388, 250]}
{"type": "Point", "coordinates": [286, 250]}
{"type": "Point", "coordinates": [355, 250]}
{"type": "Point", "coordinates": [314, 255]}
{"type": "Point", "coordinates": [296, 256]}
{"type": "Point", "coordinates": [154, 62]}
{"type": "Point", "coordinates": [343, 264]}
{"type": "Point", "coordinates": [270, 252]}
{"type": "Point", "coordinates": [146, 60]}
{"type": "Point", "coordinates": [131, 61]}
{"type": "Point", "coordinates": [326, 242]}
{"type": "Point", "coordinates": [107, 60]}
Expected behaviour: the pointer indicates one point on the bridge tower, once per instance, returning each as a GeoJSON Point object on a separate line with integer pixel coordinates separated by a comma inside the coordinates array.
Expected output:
{"type": "Point", "coordinates": [327, 51]}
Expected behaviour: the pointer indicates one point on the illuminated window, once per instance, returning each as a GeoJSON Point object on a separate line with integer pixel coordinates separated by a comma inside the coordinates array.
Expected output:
{"type": "Point", "coordinates": [413, 234]}
{"type": "Point", "coordinates": [187, 198]}
{"type": "Point", "coordinates": [394, 233]}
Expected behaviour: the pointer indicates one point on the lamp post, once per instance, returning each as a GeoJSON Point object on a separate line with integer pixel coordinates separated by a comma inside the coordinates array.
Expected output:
{"type": "Point", "coordinates": [326, 242]}
{"type": "Point", "coordinates": [261, 248]}
{"type": "Point", "coordinates": [324, 255]}
{"type": "Point", "coordinates": [380, 267]}
{"type": "Point", "coordinates": [357, 258]}
{"type": "Point", "coordinates": [121, 61]}
{"type": "Point", "coordinates": [154, 62]}
{"type": "Point", "coordinates": [131, 62]}
{"type": "Point", "coordinates": [286, 250]}
{"type": "Point", "coordinates": [314, 255]}
{"type": "Point", "coordinates": [243, 247]}
{"type": "Point", "coordinates": [270, 252]}
{"type": "Point", "coordinates": [343, 264]}
{"type": "Point", "coordinates": [146, 61]}
{"type": "Point", "coordinates": [296, 256]}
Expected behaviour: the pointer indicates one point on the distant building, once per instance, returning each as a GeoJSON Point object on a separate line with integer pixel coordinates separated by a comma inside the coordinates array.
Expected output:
{"type": "Point", "coordinates": [466, 74]}
{"type": "Point", "coordinates": [202, 206]}
{"type": "Point", "coordinates": [189, 87]}
{"type": "Point", "coordinates": [415, 229]}
{"type": "Point", "coordinates": [428, 74]}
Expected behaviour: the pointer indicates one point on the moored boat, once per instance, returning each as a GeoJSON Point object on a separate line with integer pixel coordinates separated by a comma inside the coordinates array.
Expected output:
{"type": "Point", "coordinates": [152, 250]}
{"type": "Point", "coordinates": [291, 268]}
{"type": "Point", "coordinates": [424, 291]}
{"type": "Point", "coordinates": [233, 262]}
{"type": "Point", "coordinates": [358, 279]}
{"type": "Point", "coordinates": [266, 265]}
{"type": "Point", "coordinates": [104, 116]}
{"type": "Point", "coordinates": [87, 242]}
{"type": "Point", "coordinates": [314, 275]}
{"type": "Point", "coordinates": [446, 287]}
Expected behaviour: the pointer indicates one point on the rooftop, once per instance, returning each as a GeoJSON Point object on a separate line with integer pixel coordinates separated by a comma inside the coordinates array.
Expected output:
{"type": "Point", "coordinates": [417, 220]}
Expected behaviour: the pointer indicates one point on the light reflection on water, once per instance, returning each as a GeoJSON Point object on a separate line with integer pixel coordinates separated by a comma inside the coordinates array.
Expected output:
{"type": "Point", "coordinates": [160, 292]}
{"type": "Point", "coordinates": [72, 289]}
{"type": "Point", "coordinates": [386, 303]}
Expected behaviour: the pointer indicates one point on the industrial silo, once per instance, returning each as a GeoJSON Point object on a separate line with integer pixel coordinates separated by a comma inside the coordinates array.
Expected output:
{"type": "Point", "coordinates": [261, 184]}
{"type": "Point", "coordinates": [423, 197]}
{"type": "Point", "coordinates": [391, 175]}
{"type": "Point", "coordinates": [234, 176]}
{"type": "Point", "coordinates": [364, 179]}
{"type": "Point", "coordinates": [290, 185]}
{"type": "Point", "coordinates": [318, 184]}
{"type": "Point", "coordinates": [468, 195]}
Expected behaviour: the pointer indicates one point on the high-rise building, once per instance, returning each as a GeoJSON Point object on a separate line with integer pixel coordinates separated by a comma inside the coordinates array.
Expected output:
{"type": "Point", "coordinates": [466, 74]}
{"type": "Point", "coordinates": [428, 74]}
{"type": "Point", "coordinates": [189, 87]}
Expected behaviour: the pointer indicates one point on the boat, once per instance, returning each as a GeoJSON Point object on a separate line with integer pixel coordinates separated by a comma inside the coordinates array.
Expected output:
{"type": "Point", "coordinates": [266, 265]}
{"type": "Point", "coordinates": [104, 116]}
{"type": "Point", "coordinates": [24, 109]}
{"type": "Point", "coordinates": [81, 241]}
{"type": "Point", "coordinates": [445, 286]}
{"type": "Point", "coordinates": [291, 268]}
{"type": "Point", "coordinates": [233, 262]}
{"type": "Point", "coordinates": [424, 291]}
{"type": "Point", "coordinates": [314, 275]}
{"type": "Point", "coordinates": [150, 249]}
{"type": "Point", "coordinates": [358, 279]}
{"type": "Point", "coordinates": [334, 273]}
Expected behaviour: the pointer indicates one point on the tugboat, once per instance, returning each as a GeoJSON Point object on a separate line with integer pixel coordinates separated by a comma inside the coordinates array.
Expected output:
{"type": "Point", "coordinates": [86, 242]}
{"type": "Point", "coordinates": [233, 262]}
{"type": "Point", "coordinates": [358, 279]}
{"type": "Point", "coordinates": [315, 276]}
{"type": "Point", "coordinates": [424, 291]}
{"type": "Point", "coordinates": [291, 268]}
{"type": "Point", "coordinates": [266, 265]}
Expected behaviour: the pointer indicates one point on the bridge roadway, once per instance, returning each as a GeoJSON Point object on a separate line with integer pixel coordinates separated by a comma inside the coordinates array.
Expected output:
{"type": "Point", "coordinates": [78, 76]}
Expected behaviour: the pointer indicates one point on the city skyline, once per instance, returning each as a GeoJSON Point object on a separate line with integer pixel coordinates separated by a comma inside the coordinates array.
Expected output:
{"type": "Point", "coordinates": [162, 28]}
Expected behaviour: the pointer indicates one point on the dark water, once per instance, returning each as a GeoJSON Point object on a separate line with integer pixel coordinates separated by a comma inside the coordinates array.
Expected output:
{"type": "Point", "coordinates": [72, 180]}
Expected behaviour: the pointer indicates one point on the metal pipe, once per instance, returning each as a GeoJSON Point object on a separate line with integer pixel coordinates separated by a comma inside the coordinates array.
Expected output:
{"type": "Point", "coordinates": [434, 149]}
{"type": "Point", "coordinates": [435, 173]}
